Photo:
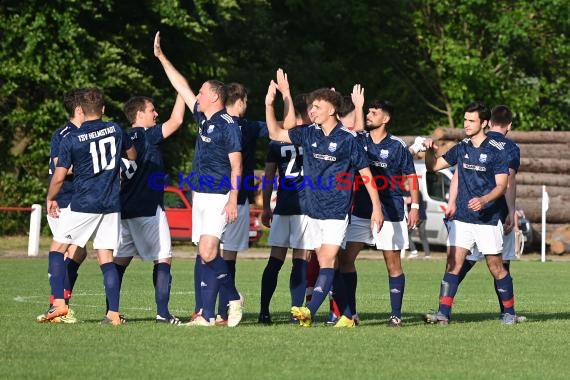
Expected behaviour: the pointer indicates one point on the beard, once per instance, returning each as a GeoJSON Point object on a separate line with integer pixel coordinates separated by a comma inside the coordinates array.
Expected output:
{"type": "Point", "coordinates": [370, 127]}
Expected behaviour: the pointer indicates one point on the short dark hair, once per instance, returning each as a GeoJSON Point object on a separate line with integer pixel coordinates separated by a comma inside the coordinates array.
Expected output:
{"type": "Point", "coordinates": [91, 101]}
{"type": "Point", "coordinates": [346, 107]}
{"type": "Point", "coordinates": [480, 108]}
{"type": "Point", "coordinates": [301, 104]}
{"type": "Point", "coordinates": [383, 105]}
{"type": "Point", "coordinates": [501, 115]}
{"type": "Point", "coordinates": [219, 88]}
{"type": "Point", "coordinates": [134, 105]}
{"type": "Point", "coordinates": [71, 101]}
{"type": "Point", "coordinates": [327, 95]}
{"type": "Point", "coordinates": [234, 92]}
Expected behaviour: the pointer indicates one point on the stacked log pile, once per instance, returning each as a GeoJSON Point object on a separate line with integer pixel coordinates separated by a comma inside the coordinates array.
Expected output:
{"type": "Point", "coordinates": [545, 160]}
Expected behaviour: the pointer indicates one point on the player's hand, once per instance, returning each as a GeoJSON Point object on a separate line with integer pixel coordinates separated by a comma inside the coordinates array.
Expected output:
{"type": "Point", "coordinates": [266, 218]}
{"type": "Point", "coordinates": [271, 91]}
{"type": "Point", "coordinates": [156, 45]}
{"type": "Point", "coordinates": [231, 212]}
{"type": "Point", "coordinates": [53, 209]}
{"type": "Point", "coordinates": [429, 144]}
{"type": "Point", "coordinates": [413, 219]}
{"type": "Point", "coordinates": [509, 224]}
{"type": "Point", "coordinates": [450, 210]}
{"type": "Point", "coordinates": [357, 96]}
{"type": "Point", "coordinates": [282, 82]}
{"type": "Point", "coordinates": [476, 204]}
{"type": "Point", "coordinates": [418, 145]}
{"type": "Point", "coordinates": [376, 220]}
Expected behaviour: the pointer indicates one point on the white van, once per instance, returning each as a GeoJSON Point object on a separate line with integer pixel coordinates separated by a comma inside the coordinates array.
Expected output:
{"type": "Point", "coordinates": [435, 192]}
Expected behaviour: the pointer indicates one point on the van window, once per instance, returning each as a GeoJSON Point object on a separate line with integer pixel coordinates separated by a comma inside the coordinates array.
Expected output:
{"type": "Point", "coordinates": [437, 186]}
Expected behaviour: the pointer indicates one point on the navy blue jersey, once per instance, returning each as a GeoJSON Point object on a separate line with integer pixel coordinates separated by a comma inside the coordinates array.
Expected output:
{"type": "Point", "coordinates": [137, 197]}
{"type": "Point", "coordinates": [512, 149]}
{"type": "Point", "coordinates": [64, 196]}
{"type": "Point", "coordinates": [390, 161]}
{"type": "Point", "coordinates": [476, 169]}
{"type": "Point", "coordinates": [328, 163]}
{"type": "Point", "coordinates": [250, 132]}
{"type": "Point", "coordinates": [217, 138]}
{"type": "Point", "coordinates": [94, 150]}
{"type": "Point", "coordinates": [289, 161]}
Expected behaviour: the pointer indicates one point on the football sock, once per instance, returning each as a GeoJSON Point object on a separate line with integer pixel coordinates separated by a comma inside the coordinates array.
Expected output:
{"type": "Point", "coordinates": [225, 280]}
{"type": "Point", "coordinates": [223, 296]}
{"type": "Point", "coordinates": [350, 283]}
{"type": "Point", "coordinates": [297, 281]}
{"type": "Point", "coordinates": [209, 287]}
{"type": "Point", "coordinates": [467, 266]}
{"type": "Point", "coordinates": [447, 292]}
{"type": "Point", "coordinates": [197, 282]}
{"type": "Point", "coordinates": [506, 293]}
{"type": "Point", "coordinates": [120, 272]}
{"type": "Point", "coordinates": [322, 287]}
{"type": "Point", "coordinates": [397, 286]}
{"type": "Point", "coordinates": [339, 296]}
{"type": "Point", "coordinates": [269, 283]}
{"type": "Point", "coordinates": [112, 285]}
{"type": "Point", "coordinates": [162, 288]}
{"type": "Point", "coordinates": [56, 271]}
{"type": "Point", "coordinates": [507, 266]}
{"type": "Point", "coordinates": [312, 274]}
{"type": "Point", "coordinates": [70, 277]}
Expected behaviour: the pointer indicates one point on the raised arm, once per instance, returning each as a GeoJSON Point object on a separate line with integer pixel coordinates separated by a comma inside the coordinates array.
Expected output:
{"type": "Point", "coordinates": [275, 132]}
{"type": "Point", "coordinates": [433, 163]}
{"type": "Point", "coordinates": [289, 120]}
{"type": "Point", "coordinates": [176, 117]}
{"type": "Point", "coordinates": [358, 101]}
{"type": "Point", "coordinates": [176, 79]}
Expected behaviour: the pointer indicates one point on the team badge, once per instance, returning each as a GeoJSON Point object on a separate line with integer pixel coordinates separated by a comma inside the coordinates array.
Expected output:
{"type": "Point", "coordinates": [482, 158]}
{"type": "Point", "coordinates": [384, 153]}
{"type": "Point", "coordinates": [210, 128]}
{"type": "Point", "coordinates": [332, 147]}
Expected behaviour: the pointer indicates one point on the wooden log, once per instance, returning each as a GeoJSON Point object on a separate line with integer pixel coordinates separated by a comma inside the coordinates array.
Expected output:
{"type": "Point", "coordinates": [558, 211]}
{"type": "Point", "coordinates": [557, 151]}
{"type": "Point", "coordinates": [543, 137]}
{"type": "Point", "coordinates": [545, 165]}
{"type": "Point", "coordinates": [560, 240]}
{"type": "Point", "coordinates": [536, 232]}
{"type": "Point", "coordinates": [535, 191]}
{"type": "Point", "coordinates": [547, 179]}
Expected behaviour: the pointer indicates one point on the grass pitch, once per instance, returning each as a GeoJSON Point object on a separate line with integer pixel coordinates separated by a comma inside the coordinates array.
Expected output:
{"type": "Point", "coordinates": [474, 345]}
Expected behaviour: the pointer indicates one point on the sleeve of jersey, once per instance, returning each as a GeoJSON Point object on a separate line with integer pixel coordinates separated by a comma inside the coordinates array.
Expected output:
{"type": "Point", "coordinates": [64, 153]}
{"type": "Point", "coordinates": [126, 142]}
{"type": "Point", "coordinates": [501, 164]}
{"type": "Point", "coordinates": [154, 135]}
{"type": "Point", "coordinates": [515, 158]}
{"type": "Point", "coordinates": [233, 139]}
{"type": "Point", "coordinates": [297, 135]}
{"type": "Point", "coordinates": [54, 146]}
{"type": "Point", "coordinates": [197, 115]}
{"type": "Point", "coordinates": [451, 156]}
{"type": "Point", "coordinates": [408, 162]}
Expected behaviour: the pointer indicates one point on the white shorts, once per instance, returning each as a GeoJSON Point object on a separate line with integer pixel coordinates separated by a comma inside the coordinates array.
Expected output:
{"type": "Point", "coordinates": [77, 228]}
{"type": "Point", "coordinates": [208, 215]}
{"type": "Point", "coordinates": [328, 231]}
{"type": "Point", "coordinates": [392, 237]}
{"type": "Point", "coordinates": [145, 236]}
{"type": "Point", "coordinates": [236, 235]}
{"type": "Point", "coordinates": [292, 231]}
{"type": "Point", "coordinates": [488, 239]}
{"type": "Point", "coordinates": [53, 223]}
{"type": "Point", "coordinates": [508, 254]}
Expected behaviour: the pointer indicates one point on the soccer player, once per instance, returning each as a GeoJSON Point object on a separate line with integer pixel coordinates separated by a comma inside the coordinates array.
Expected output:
{"type": "Point", "coordinates": [236, 235]}
{"type": "Point", "coordinates": [94, 151]}
{"type": "Point", "coordinates": [144, 228]}
{"type": "Point", "coordinates": [331, 154]}
{"type": "Point", "coordinates": [390, 162]}
{"type": "Point", "coordinates": [288, 222]}
{"type": "Point", "coordinates": [499, 125]}
{"type": "Point", "coordinates": [482, 166]}
{"type": "Point", "coordinates": [74, 255]}
{"type": "Point", "coordinates": [217, 166]}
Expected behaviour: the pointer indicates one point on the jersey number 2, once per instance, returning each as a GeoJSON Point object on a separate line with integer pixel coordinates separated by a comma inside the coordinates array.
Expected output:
{"type": "Point", "coordinates": [98, 150]}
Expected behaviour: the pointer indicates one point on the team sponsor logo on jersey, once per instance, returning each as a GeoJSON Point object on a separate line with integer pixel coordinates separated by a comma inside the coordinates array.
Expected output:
{"type": "Point", "coordinates": [325, 157]}
{"type": "Point", "coordinates": [384, 153]}
{"type": "Point", "coordinates": [205, 139]}
{"type": "Point", "coordinates": [332, 147]}
{"type": "Point", "coordinates": [482, 158]}
{"type": "Point", "coordinates": [475, 167]}
{"type": "Point", "coordinates": [211, 128]}
{"type": "Point", "coordinates": [379, 164]}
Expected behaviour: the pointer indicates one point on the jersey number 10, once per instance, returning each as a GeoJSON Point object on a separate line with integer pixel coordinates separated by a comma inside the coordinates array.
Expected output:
{"type": "Point", "coordinates": [98, 150]}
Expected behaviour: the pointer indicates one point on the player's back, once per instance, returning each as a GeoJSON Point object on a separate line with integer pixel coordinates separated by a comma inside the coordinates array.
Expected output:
{"type": "Point", "coordinates": [94, 150]}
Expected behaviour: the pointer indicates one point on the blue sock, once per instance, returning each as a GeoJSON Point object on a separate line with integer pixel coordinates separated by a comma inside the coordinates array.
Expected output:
{"type": "Point", "coordinates": [269, 283]}
{"type": "Point", "coordinates": [467, 266]}
{"type": "Point", "coordinates": [447, 291]}
{"type": "Point", "coordinates": [297, 281]}
{"type": "Point", "coordinates": [112, 285]}
{"type": "Point", "coordinates": [225, 279]}
{"type": "Point", "coordinates": [397, 286]}
{"type": "Point", "coordinates": [322, 287]}
{"type": "Point", "coordinates": [209, 287]}
{"type": "Point", "coordinates": [70, 277]}
{"type": "Point", "coordinates": [223, 297]}
{"type": "Point", "coordinates": [197, 282]}
{"type": "Point", "coordinates": [56, 271]}
{"type": "Point", "coordinates": [120, 273]}
{"type": "Point", "coordinates": [507, 266]}
{"type": "Point", "coordinates": [162, 289]}
{"type": "Point", "coordinates": [350, 283]}
{"type": "Point", "coordinates": [506, 292]}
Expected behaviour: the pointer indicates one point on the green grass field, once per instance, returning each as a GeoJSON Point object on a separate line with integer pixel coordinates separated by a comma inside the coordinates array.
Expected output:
{"type": "Point", "coordinates": [475, 345]}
